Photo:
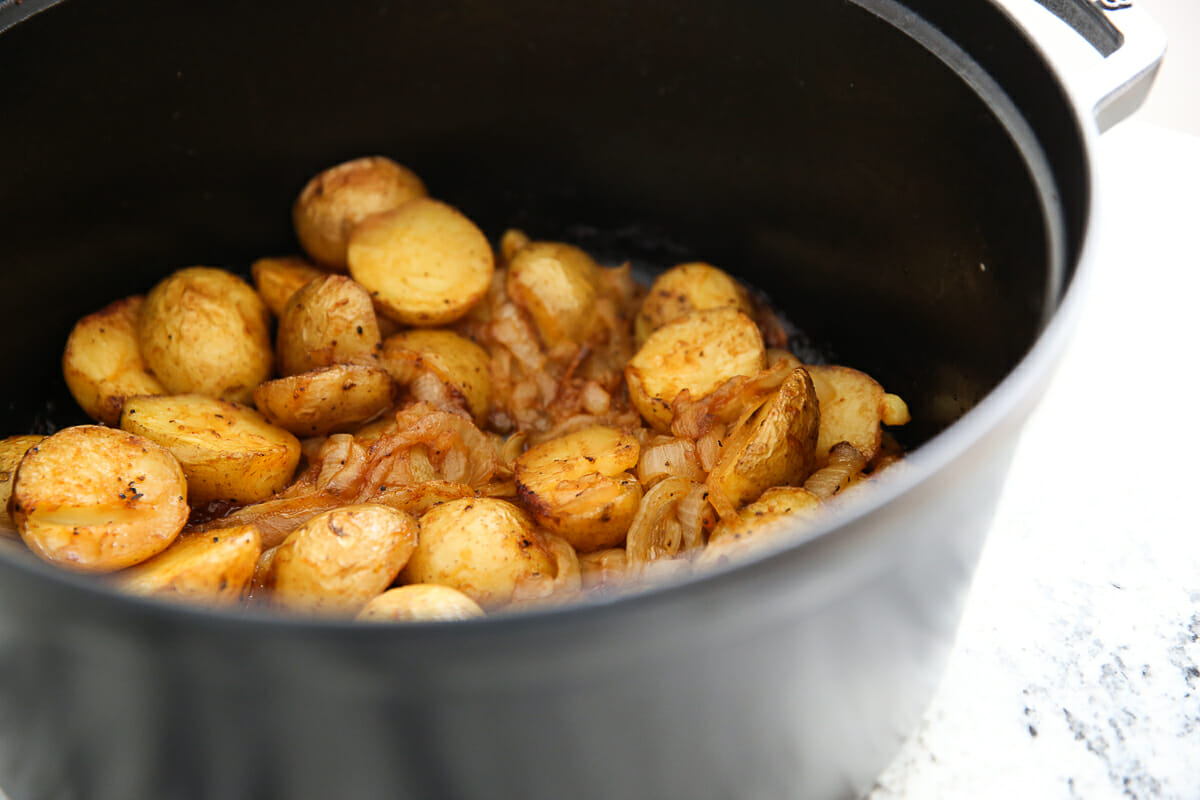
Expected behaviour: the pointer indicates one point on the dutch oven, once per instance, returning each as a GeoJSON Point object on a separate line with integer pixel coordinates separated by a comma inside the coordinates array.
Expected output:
{"type": "Point", "coordinates": [912, 183]}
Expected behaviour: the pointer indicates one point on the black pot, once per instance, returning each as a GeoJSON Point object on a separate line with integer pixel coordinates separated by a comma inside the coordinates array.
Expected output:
{"type": "Point", "coordinates": [910, 183]}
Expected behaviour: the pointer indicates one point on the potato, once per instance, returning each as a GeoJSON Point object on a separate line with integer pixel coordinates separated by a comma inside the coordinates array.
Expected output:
{"type": "Point", "coordinates": [463, 366]}
{"type": "Point", "coordinates": [334, 202]}
{"type": "Point", "coordinates": [853, 405]}
{"type": "Point", "coordinates": [102, 363]}
{"type": "Point", "coordinates": [483, 547]}
{"type": "Point", "coordinates": [277, 279]}
{"type": "Point", "coordinates": [12, 450]}
{"type": "Point", "coordinates": [776, 446]}
{"type": "Point", "coordinates": [578, 486]}
{"type": "Point", "coordinates": [420, 602]}
{"type": "Point", "coordinates": [206, 331]}
{"type": "Point", "coordinates": [328, 321]}
{"type": "Point", "coordinates": [424, 263]}
{"type": "Point", "coordinates": [337, 561]}
{"type": "Point", "coordinates": [213, 568]}
{"type": "Point", "coordinates": [685, 288]}
{"type": "Point", "coordinates": [418, 498]}
{"type": "Point", "coordinates": [557, 284]}
{"type": "Point", "coordinates": [779, 509]}
{"type": "Point", "coordinates": [95, 499]}
{"type": "Point", "coordinates": [327, 400]}
{"type": "Point", "coordinates": [697, 352]}
{"type": "Point", "coordinates": [228, 451]}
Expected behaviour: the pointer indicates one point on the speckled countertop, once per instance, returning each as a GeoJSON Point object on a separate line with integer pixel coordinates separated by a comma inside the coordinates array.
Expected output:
{"type": "Point", "coordinates": [1077, 669]}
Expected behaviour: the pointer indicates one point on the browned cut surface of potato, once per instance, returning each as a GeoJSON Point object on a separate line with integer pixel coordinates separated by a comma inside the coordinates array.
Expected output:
{"type": "Point", "coordinates": [228, 451]}
{"type": "Point", "coordinates": [206, 331]}
{"type": "Point", "coordinates": [213, 568]}
{"type": "Point", "coordinates": [327, 400]}
{"type": "Point", "coordinates": [483, 547]}
{"type": "Point", "coordinates": [853, 405]}
{"type": "Point", "coordinates": [779, 509]}
{"type": "Point", "coordinates": [424, 263]}
{"type": "Point", "coordinates": [420, 602]}
{"type": "Point", "coordinates": [579, 486]}
{"type": "Point", "coordinates": [95, 499]}
{"type": "Point", "coordinates": [557, 284]}
{"type": "Point", "coordinates": [102, 363]}
{"type": "Point", "coordinates": [696, 352]}
{"type": "Point", "coordinates": [776, 446]}
{"type": "Point", "coordinates": [12, 450]}
{"type": "Point", "coordinates": [336, 200]}
{"type": "Point", "coordinates": [338, 561]}
{"type": "Point", "coordinates": [686, 288]}
{"type": "Point", "coordinates": [463, 366]}
{"type": "Point", "coordinates": [278, 278]}
{"type": "Point", "coordinates": [329, 321]}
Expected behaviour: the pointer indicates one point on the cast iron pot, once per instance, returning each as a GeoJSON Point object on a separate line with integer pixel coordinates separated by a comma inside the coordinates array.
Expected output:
{"type": "Point", "coordinates": [911, 183]}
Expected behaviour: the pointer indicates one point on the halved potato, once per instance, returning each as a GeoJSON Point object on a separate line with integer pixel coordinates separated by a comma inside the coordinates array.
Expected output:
{"type": "Point", "coordinates": [853, 405]}
{"type": "Point", "coordinates": [686, 288]}
{"type": "Point", "coordinates": [330, 320]}
{"type": "Point", "coordinates": [424, 263]}
{"type": "Point", "coordinates": [697, 352]}
{"type": "Point", "coordinates": [278, 278]}
{"type": "Point", "coordinates": [337, 561]}
{"type": "Point", "coordinates": [334, 202]}
{"type": "Point", "coordinates": [327, 400]}
{"type": "Point", "coordinates": [557, 284]}
{"type": "Point", "coordinates": [213, 568]}
{"type": "Point", "coordinates": [579, 487]}
{"type": "Point", "coordinates": [12, 450]}
{"type": "Point", "coordinates": [102, 363]}
{"type": "Point", "coordinates": [228, 451]}
{"type": "Point", "coordinates": [96, 499]}
{"type": "Point", "coordinates": [206, 331]}
{"type": "Point", "coordinates": [778, 509]}
{"type": "Point", "coordinates": [463, 366]}
{"type": "Point", "coordinates": [420, 602]}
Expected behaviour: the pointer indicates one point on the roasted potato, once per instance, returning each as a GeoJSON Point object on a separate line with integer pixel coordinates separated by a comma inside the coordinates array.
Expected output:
{"type": "Point", "coordinates": [12, 450]}
{"type": "Point", "coordinates": [327, 400]}
{"type": "Point", "coordinates": [853, 405]}
{"type": "Point", "coordinates": [102, 363]}
{"type": "Point", "coordinates": [338, 561]}
{"type": "Point", "coordinates": [686, 288]}
{"type": "Point", "coordinates": [228, 451]}
{"type": "Point", "coordinates": [334, 202]}
{"type": "Point", "coordinates": [579, 487]}
{"type": "Point", "coordinates": [456, 361]}
{"type": "Point", "coordinates": [213, 568]}
{"type": "Point", "coordinates": [278, 278]}
{"type": "Point", "coordinates": [95, 499]}
{"type": "Point", "coordinates": [696, 352]}
{"type": "Point", "coordinates": [206, 331]}
{"type": "Point", "coordinates": [328, 321]}
{"type": "Point", "coordinates": [424, 263]}
{"type": "Point", "coordinates": [482, 546]}
{"type": "Point", "coordinates": [779, 509]}
{"type": "Point", "coordinates": [557, 284]}
{"type": "Point", "coordinates": [420, 602]}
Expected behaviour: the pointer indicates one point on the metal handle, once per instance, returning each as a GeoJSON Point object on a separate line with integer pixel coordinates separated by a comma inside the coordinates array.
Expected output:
{"type": "Point", "coordinates": [1109, 74]}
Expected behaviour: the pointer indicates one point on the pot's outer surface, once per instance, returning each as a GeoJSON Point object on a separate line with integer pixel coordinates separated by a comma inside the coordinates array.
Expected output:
{"type": "Point", "coordinates": [921, 222]}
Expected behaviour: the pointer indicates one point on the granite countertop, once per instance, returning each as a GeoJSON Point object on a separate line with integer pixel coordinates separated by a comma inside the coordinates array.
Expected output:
{"type": "Point", "coordinates": [1077, 668]}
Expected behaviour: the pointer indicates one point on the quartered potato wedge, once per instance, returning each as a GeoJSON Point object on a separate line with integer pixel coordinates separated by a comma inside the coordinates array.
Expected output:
{"type": "Point", "coordinates": [685, 288]}
{"type": "Point", "coordinates": [778, 509]}
{"type": "Point", "coordinates": [456, 361]}
{"type": "Point", "coordinates": [327, 400]}
{"type": "Point", "coordinates": [278, 278]}
{"type": "Point", "coordinates": [328, 321]}
{"type": "Point", "coordinates": [557, 284]}
{"type": "Point", "coordinates": [213, 568]}
{"type": "Point", "coordinates": [12, 450]}
{"type": "Point", "coordinates": [853, 405]}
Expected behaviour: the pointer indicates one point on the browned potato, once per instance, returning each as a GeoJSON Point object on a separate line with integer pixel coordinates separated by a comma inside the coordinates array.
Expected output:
{"type": "Point", "coordinates": [420, 602]}
{"type": "Point", "coordinates": [853, 405]}
{"type": "Point", "coordinates": [213, 568]}
{"type": "Point", "coordinates": [95, 499]}
{"type": "Point", "coordinates": [206, 331]}
{"type": "Point", "coordinates": [228, 451]}
{"type": "Point", "coordinates": [338, 561]}
{"type": "Point", "coordinates": [103, 364]}
{"type": "Point", "coordinates": [686, 288]}
{"type": "Point", "coordinates": [776, 446]}
{"type": "Point", "coordinates": [327, 400]}
{"type": "Point", "coordinates": [329, 321]}
{"type": "Point", "coordinates": [278, 278]}
{"type": "Point", "coordinates": [12, 450]}
{"type": "Point", "coordinates": [697, 352]}
{"type": "Point", "coordinates": [778, 509]}
{"type": "Point", "coordinates": [334, 202]}
{"type": "Point", "coordinates": [578, 486]}
{"type": "Point", "coordinates": [557, 284]}
{"type": "Point", "coordinates": [463, 366]}
{"type": "Point", "coordinates": [482, 546]}
{"type": "Point", "coordinates": [424, 263]}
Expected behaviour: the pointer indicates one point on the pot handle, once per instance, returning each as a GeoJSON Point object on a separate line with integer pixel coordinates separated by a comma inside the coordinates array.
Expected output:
{"type": "Point", "coordinates": [1107, 52]}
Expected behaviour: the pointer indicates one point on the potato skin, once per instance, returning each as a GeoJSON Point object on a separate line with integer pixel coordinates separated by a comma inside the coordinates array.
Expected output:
{"type": "Point", "coordinates": [557, 284]}
{"type": "Point", "coordinates": [211, 568]}
{"type": "Point", "coordinates": [420, 602]}
{"type": "Point", "coordinates": [685, 288]}
{"type": "Point", "coordinates": [332, 399]}
{"type": "Point", "coordinates": [228, 451]}
{"type": "Point", "coordinates": [205, 330]}
{"type": "Point", "coordinates": [853, 405]}
{"type": "Point", "coordinates": [95, 499]}
{"type": "Point", "coordinates": [102, 363]}
{"type": "Point", "coordinates": [336, 200]}
{"type": "Point", "coordinates": [337, 561]}
{"type": "Point", "coordinates": [277, 278]}
{"type": "Point", "coordinates": [12, 450]}
{"type": "Point", "coordinates": [331, 320]}
{"type": "Point", "coordinates": [458, 362]}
